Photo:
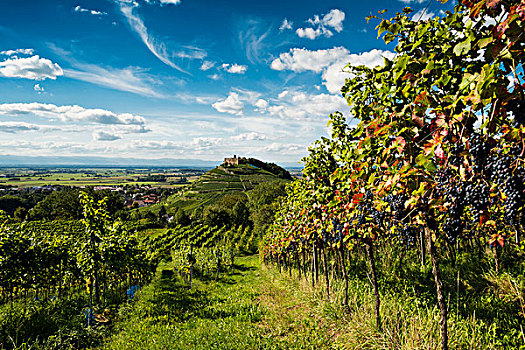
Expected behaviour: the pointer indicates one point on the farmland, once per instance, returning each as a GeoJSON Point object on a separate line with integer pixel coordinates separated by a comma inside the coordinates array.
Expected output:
{"type": "Point", "coordinates": [82, 177]}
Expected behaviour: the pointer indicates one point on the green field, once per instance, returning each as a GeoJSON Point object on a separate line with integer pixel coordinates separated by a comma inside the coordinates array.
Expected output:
{"type": "Point", "coordinates": [21, 177]}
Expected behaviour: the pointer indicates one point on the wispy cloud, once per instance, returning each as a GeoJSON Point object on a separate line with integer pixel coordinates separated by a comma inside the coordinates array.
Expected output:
{"type": "Point", "coordinates": [130, 79]}
{"type": "Point", "coordinates": [157, 48]}
{"type": "Point", "coordinates": [15, 127]}
{"type": "Point", "coordinates": [207, 65]}
{"type": "Point", "coordinates": [286, 25]}
{"type": "Point", "coordinates": [252, 39]}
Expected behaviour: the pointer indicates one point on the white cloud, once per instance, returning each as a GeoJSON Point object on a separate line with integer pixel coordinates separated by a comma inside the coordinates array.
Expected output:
{"type": "Point", "coordinates": [234, 68]}
{"type": "Point", "coordinates": [286, 25]}
{"type": "Point", "coordinates": [93, 12]}
{"type": "Point", "coordinates": [284, 147]}
{"type": "Point", "coordinates": [214, 76]}
{"type": "Point", "coordinates": [283, 94]}
{"type": "Point", "coordinates": [412, 1]}
{"type": "Point", "coordinates": [261, 104]}
{"type": "Point", "coordinates": [207, 65]}
{"type": "Point", "coordinates": [232, 104]}
{"type": "Point", "coordinates": [131, 129]}
{"type": "Point", "coordinates": [34, 68]}
{"type": "Point", "coordinates": [105, 136]}
{"type": "Point", "coordinates": [333, 20]}
{"type": "Point", "coordinates": [27, 52]}
{"type": "Point", "coordinates": [309, 33]}
{"type": "Point", "coordinates": [129, 79]}
{"type": "Point", "coordinates": [329, 62]}
{"type": "Point", "coordinates": [422, 15]}
{"type": "Point", "coordinates": [38, 88]}
{"type": "Point", "coordinates": [70, 113]}
{"type": "Point", "coordinates": [170, 2]}
{"type": "Point", "coordinates": [249, 136]}
{"type": "Point", "coordinates": [300, 60]}
{"type": "Point", "coordinates": [300, 105]}
{"type": "Point", "coordinates": [13, 127]}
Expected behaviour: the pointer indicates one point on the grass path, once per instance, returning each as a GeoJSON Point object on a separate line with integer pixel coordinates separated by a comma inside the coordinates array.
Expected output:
{"type": "Point", "coordinates": [255, 307]}
{"type": "Point", "coordinates": [249, 308]}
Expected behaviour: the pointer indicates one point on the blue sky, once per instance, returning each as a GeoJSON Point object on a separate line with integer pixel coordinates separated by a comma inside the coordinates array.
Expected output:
{"type": "Point", "coordinates": [180, 78]}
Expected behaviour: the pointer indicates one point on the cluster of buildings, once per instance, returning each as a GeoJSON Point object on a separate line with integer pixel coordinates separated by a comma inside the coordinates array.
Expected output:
{"type": "Point", "coordinates": [142, 201]}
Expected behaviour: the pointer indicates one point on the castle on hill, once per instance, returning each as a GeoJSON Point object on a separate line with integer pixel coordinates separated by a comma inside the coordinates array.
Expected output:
{"type": "Point", "coordinates": [231, 161]}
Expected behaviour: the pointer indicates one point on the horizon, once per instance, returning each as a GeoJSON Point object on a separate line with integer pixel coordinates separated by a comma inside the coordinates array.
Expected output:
{"type": "Point", "coordinates": [153, 79]}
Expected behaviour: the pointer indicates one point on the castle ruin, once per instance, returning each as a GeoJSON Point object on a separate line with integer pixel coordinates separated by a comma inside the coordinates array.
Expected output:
{"type": "Point", "coordinates": [231, 161]}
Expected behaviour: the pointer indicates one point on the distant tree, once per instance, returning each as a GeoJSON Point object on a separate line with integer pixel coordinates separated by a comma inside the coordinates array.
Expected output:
{"type": "Point", "coordinates": [150, 216]}
{"type": "Point", "coordinates": [64, 204]}
{"type": "Point", "coordinates": [216, 216]}
{"type": "Point", "coordinates": [266, 193]}
{"type": "Point", "coordinates": [181, 217]}
{"type": "Point", "coordinates": [20, 213]}
{"type": "Point", "coordinates": [240, 215]}
{"type": "Point", "coordinates": [263, 217]}
{"type": "Point", "coordinates": [197, 214]}
{"type": "Point", "coordinates": [10, 203]}
{"type": "Point", "coordinates": [162, 212]}
{"type": "Point", "coordinates": [228, 201]}
{"type": "Point", "coordinates": [270, 167]}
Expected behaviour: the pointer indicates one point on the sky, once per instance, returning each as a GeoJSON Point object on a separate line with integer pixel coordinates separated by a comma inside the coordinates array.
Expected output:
{"type": "Point", "coordinates": [182, 79]}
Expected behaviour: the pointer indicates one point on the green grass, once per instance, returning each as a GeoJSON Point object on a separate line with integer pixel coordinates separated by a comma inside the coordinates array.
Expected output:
{"type": "Point", "coordinates": [232, 313]}
{"type": "Point", "coordinates": [256, 307]}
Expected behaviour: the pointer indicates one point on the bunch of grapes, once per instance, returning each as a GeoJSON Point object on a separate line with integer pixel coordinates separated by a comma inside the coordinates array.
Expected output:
{"type": "Point", "coordinates": [397, 205]}
{"type": "Point", "coordinates": [442, 178]}
{"type": "Point", "coordinates": [479, 150]}
{"type": "Point", "coordinates": [408, 235]}
{"type": "Point", "coordinates": [455, 157]}
{"type": "Point", "coordinates": [477, 195]}
{"type": "Point", "coordinates": [515, 197]}
{"type": "Point", "coordinates": [499, 168]}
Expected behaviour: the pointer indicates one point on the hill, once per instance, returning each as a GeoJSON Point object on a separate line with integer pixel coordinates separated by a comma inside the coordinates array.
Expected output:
{"type": "Point", "coordinates": [227, 179]}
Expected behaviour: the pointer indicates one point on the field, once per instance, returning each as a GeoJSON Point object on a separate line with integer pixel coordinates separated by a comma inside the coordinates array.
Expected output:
{"type": "Point", "coordinates": [111, 177]}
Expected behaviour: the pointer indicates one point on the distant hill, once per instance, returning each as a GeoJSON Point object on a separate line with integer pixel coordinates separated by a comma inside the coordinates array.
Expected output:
{"type": "Point", "coordinates": [226, 179]}
{"type": "Point", "coordinates": [89, 161]}
{"type": "Point", "coordinates": [94, 161]}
